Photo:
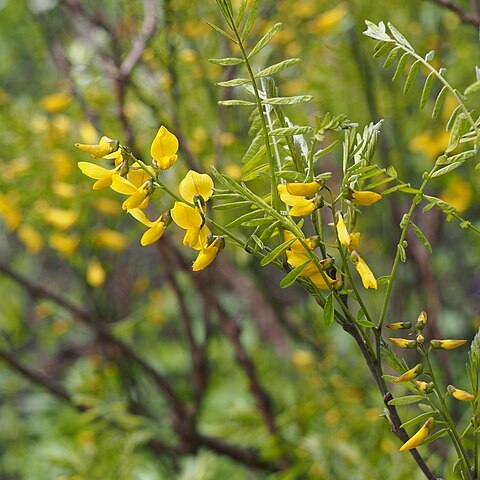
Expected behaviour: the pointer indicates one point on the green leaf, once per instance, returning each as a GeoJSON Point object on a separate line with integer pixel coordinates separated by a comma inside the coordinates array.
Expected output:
{"type": "Point", "coordinates": [474, 87]}
{"type": "Point", "coordinates": [276, 252]}
{"type": "Point", "coordinates": [324, 151]}
{"type": "Point", "coordinates": [453, 117]}
{"type": "Point", "coordinates": [392, 57]}
{"type": "Point", "coordinates": [252, 16]}
{"type": "Point", "coordinates": [265, 39]}
{"type": "Point", "coordinates": [231, 103]}
{"type": "Point", "coordinates": [243, 218]}
{"type": "Point", "coordinates": [376, 31]}
{"type": "Point", "coordinates": [293, 275]}
{"type": "Point", "coordinates": [403, 253]}
{"type": "Point", "coordinates": [226, 61]}
{"type": "Point", "coordinates": [439, 102]}
{"type": "Point", "coordinates": [382, 50]}
{"type": "Point", "coordinates": [277, 67]}
{"type": "Point", "coordinates": [407, 400]}
{"type": "Point", "coordinates": [329, 310]}
{"type": "Point", "coordinates": [400, 66]}
{"type": "Point", "coordinates": [297, 130]}
{"type": "Point", "coordinates": [399, 37]}
{"type": "Point", "coordinates": [425, 408]}
{"type": "Point", "coordinates": [411, 77]}
{"type": "Point", "coordinates": [287, 100]}
{"type": "Point", "coordinates": [460, 127]}
{"type": "Point", "coordinates": [446, 169]}
{"type": "Point", "coordinates": [365, 323]}
{"type": "Point", "coordinates": [232, 205]}
{"type": "Point", "coordinates": [240, 12]}
{"type": "Point", "coordinates": [432, 438]}
{"type": "Point", "coordinates": [427, 88]}
{"type": "Point", "coordinates": [421, 237]}
{"type": "Point", "coordinates": [257, 222]}
{"type": "Point", "coordinates": [418, 419]}
{"type": "Point", "coordinates": [389, 378]}
{"type": "Point", "coordinates": [235, 82]}
{"type": "Point", "coordinates": [222, 32]}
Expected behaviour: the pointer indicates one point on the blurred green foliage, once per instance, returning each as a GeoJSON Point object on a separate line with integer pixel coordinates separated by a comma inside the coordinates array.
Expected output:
{"type": "Point", "coordinates": [58, 86]}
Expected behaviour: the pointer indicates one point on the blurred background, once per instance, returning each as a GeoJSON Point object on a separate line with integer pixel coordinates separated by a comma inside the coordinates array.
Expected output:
{"type": "Point", "coordinates": [115, 361]}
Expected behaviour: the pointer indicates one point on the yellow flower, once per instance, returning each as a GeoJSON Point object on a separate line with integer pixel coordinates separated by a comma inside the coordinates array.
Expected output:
{"type": "Point", "coordinates": [410, 374]}
{"type": "Point", "coordinates": [95, 274]}
{"type": "Point", "coordinates": [188, 218]}
{"type": "Point", "coordinates": [164, 148]}
{"type": "Point", "coordinates": [447, 344]}
{"type": "Point", "coordinates": [365, 198]}
{"type": "Point", "coordinates": [208, 254]}
{"type": "Point", "coordinates": [424, 387]}
{"type": "Point", "coordinates": [138, 196]}
{"type": "Point", "coordinates": [368, 279]}
{"type": "Point", "coordinates": [421, 320]}
{"type": "Point", "coordinates": [303, 189]}
{"type": "Point", "coordinates": [61, 219]}
{"type": "Point", "coordinates": [297, 255]}
{"type": "Point", "coordinates": [156, 228]}
{"type": "Point", "coordinates": [399, 325]}
{"type": "Point", "coordinates": [196, 184]}
{"type": "Point", "coordinates": [458, 193]}
{"type": "Point", "coordinates": [55, 102]}
{"type": "Point", "coordinates": [329, 19]}
{"type": "Point", "coordinates": [354, 241]}
{"type": "Point", "coordinates": [102, 149]}
{"type": "Point", "coordinates": [342, 231]}
{"type": "Point", "coordinates": [420, 436]}
{"type": "Point", "coordinates": [110, 239]}
{"type": "Point", "coordinates": [300, 206]}
{"type": "Point", "coordinates": [30, 237]}
{"type": "Point", "coordinates": [460, 394]}
{"type": "Point", "coordinates": [64, 244]}
{"type": "Point", "coordinates": [102, 175]}
{"type": "Point", "coordinates": [403, 342]}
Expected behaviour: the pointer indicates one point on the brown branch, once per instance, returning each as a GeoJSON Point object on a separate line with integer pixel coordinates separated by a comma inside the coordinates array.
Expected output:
{"type": "Point", "coordinates": [147, 32]}
{"type": "Point", "coordinates": [462, 14]}
{"type": "Point", "coordinates": [38, 291]}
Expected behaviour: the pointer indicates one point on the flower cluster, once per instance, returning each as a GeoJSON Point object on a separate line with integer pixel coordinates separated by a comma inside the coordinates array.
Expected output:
{"type": "Point", "coordinates": [138, 181]}
{"type": "Point", "coordinates": [410, 376]}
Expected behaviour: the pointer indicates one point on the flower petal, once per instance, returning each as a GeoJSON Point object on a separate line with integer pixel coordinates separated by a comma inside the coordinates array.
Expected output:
{"type": "Point", "coordinates": [196, 183]}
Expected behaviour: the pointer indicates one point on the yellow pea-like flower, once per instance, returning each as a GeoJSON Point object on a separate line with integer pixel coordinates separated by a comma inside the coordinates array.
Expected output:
{"type": "Point", "coordinates": [96, 275]}
{"type": "Point", "coordinates": [196, 184]}
{"type": "Point", "coordinates": [399, 325]}
{"type": "Point", "coordinates": [354, 241]}
{"type": "Point", "coordinates": [417, 439]}
{"type": "Point", "coordinates": [60, 218]}
{"type": "Point", "coordinates": [447, 344]}
{"type": "Point", "coordinates": [300, 206]}
{"type": "Point", "coordinates": [156, 228]}
{"type": "Point", "coordinates": [189, 219]}
{"type": "Point", "coordinates": [365, 198]}
{"type": "Point", "coordinates": [403, 342]}
{"type": "Point", "coordinates": [102, 175]}
{"type": "Point", "coordinates": [55, 102]}
{"type": "Point", "coordinates": [410, 374]}
{"type": "Point", "coordinates": [424, 387]}
{"type": "Point", "coordinates": [368, 279]}
{"type": "Point", "coordinates": [138, 196]}
{"type": "Point", "coordinates": [164, 148]}
{"type": "Point", "coordinates": [303, 189]}
{"type": "Point", "coordinates": [208, 254]}
{"type": "Point", "coordinates": [460, 394]}
{"type": "Point", "coordinates": [421, 320]}
{"type": "Point", "coordinates": [105, 147]}
{"type": "Point", "coordinates": [342, 231]}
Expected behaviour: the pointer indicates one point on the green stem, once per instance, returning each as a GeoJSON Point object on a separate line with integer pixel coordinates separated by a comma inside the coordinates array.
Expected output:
{"type": "Point", "coordinates": [446, 416]}
{"type": "Point", "coordinates": [403, 234]}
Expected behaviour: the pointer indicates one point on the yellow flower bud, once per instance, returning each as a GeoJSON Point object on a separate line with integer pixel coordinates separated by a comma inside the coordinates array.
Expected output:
{"type": "Point", "coordinates": [420, 436]}
{"type": "Point", "coordinates": [342, 231]}
{"type": "Point", "coordinates": [460, 394]}
{"type": "Point", "coordinates": [410, 374]}
{"type": "Point", "coordinates": [105, 147]}
{"type": "Point", "coordinates": [424, 387]}
{"type": "Point", "coordinates": [95, 274]}
{"type": "Point", "coordinates": [300, 206]}
{"type": "Point", "coordinates": [368, 279]}
{"type": "Point", "coordinates": [399, 325]}
{"type": "Point", "coordinates": [303, 189]}
{"type": "Point", "coordinates": [446, 344]}
{"type": "Point", "coordinates": [421, 320]}
{"type": "Point", "coordinates": [403, 342]}
{"type": "Point", "coordinates": [365, 198]}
